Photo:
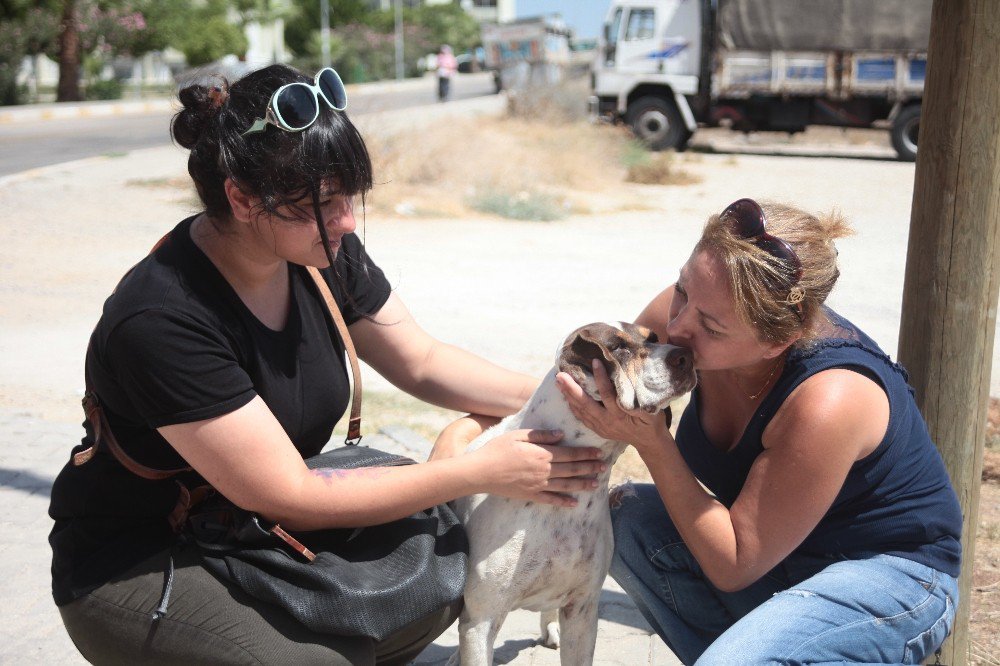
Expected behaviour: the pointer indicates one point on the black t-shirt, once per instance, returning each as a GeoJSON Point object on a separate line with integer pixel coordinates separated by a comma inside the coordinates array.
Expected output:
{"type": "Point", "coordinates": [175, 344]}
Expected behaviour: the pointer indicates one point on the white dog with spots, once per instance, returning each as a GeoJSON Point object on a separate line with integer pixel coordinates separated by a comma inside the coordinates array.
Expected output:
{"type": "Point", "coordinates": [555, 559]}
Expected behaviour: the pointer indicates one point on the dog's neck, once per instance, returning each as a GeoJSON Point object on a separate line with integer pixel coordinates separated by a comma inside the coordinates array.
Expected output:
{"type": "Point", "coordinates": [548, 409]}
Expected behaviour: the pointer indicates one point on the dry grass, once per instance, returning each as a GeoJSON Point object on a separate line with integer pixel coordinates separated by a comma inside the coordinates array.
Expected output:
{"type": "Point", "coordinates": [543, 151]}
{"type": "Point", "coordinates": [993, 425]}
{"type": "Point", "coordinates": [660, 169]}
{"type": "Point", "coordinates": [984, 622]}
{"type": "Point", "coordinates": [446, 170]}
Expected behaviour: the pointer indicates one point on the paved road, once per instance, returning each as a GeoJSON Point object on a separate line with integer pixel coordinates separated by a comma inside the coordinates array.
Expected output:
{"type": "Point", "coordinates": [27, 145]}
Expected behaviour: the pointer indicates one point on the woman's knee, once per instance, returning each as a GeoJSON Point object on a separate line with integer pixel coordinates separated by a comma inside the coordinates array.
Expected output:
{"type": "Point", "coordinates": [641, 526]}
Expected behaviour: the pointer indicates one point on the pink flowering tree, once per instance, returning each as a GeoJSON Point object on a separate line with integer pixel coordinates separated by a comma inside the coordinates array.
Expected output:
{"type": "Point", "coordinates": [97, 30]}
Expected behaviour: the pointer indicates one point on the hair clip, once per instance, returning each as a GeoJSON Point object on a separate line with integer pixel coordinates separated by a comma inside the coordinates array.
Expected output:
{"type": "Point", "coordinates": [795, 295]}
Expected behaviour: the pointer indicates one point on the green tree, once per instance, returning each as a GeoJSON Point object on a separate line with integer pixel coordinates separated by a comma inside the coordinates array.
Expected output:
{"type": "Point", "coordinates": [27, 27]}
{"type": "Point", "coordinates": [443, 24]}
{"type": "Point", "coordinates": [207, 34]}
{"type": "Point", "coordinates": [12, 51]}
{"type": "Point", "coordinates": [302, 26]}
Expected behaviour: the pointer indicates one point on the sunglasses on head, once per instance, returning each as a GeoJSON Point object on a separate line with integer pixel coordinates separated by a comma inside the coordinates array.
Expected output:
{"type": "Point", "coordinates": [295, 106]}
{"type": "Point", "coordinates": [746, 220]}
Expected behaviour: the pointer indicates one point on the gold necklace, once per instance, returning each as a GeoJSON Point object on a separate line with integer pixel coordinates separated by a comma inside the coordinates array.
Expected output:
{"type": "Point", "coordinates": [767, 382]}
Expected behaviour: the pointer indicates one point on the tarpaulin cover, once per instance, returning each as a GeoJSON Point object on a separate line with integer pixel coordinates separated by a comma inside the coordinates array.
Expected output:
{"type": "Point", "coordinates": [825, 25]}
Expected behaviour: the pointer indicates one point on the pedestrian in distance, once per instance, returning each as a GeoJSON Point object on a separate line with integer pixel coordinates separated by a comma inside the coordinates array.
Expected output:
{"type": "Point", "coordinates": [215, 352]}
{"type": "Point", "coordinates": [447, 67]}
{"type": "Point", "coordinates": [802, 513]}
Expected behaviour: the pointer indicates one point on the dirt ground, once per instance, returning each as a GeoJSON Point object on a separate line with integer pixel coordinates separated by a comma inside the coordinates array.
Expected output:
{"type": "Point", "coordinates": [472, 277]}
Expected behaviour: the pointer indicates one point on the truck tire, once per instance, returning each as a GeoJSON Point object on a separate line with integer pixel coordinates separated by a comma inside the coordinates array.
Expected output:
{"type": "Point", "coordinates": [657, 123]}
{"type": "Point", "coordinates": [904, 133]}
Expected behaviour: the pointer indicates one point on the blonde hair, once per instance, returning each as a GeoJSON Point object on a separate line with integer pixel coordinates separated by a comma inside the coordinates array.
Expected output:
{"type": "Point", "coordinates": [754, 272]}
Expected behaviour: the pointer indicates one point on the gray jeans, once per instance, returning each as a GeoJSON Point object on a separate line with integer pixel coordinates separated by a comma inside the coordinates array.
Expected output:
{"type": "Point", "coordinates": [211, 622]}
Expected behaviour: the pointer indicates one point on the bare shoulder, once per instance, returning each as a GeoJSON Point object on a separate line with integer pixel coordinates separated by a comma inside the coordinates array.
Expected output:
{"type": "Point", "coordinates": [833, 405]}
{"type": "Point", "coordinates": [657, 313]}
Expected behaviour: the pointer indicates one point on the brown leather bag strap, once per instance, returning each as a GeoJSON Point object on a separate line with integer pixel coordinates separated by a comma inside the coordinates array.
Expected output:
{"type": "Point", "coordinates": [102, 433]}
{"type": "Point", "coordinates": [354, 424]}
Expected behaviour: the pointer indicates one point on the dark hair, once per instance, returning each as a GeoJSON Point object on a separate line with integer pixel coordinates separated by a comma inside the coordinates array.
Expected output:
{"type": "Point", "coordinates": [278, 167]}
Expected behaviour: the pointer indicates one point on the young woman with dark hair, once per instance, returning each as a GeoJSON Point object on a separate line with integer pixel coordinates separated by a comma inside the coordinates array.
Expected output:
{"type": "Point", "coordinates": [215, 352]}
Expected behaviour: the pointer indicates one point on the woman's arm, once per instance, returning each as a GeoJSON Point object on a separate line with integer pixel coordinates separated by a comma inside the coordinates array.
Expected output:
{"type": "Point", "coordinates": [831, 420]}
{"type": "Point", "coordinates": [436, 372]}
{"type": "Point", "coordinates": [247, 457]}
{"type": "Point", "coordinates": [458, 434]}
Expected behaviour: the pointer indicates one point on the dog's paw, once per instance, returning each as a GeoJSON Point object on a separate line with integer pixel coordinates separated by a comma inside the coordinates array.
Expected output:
{"type": "Point", "coordinates": [550, 635]}
{"type": "Point", "coordinates": [620, 492]}
{"type": "Point", "coordinates": [549, 624]}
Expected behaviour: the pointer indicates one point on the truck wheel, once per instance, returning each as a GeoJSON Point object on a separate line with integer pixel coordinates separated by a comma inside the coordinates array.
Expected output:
{"type": "Point", "coordinates": [904, 133]}
{"type": "Point", "coordinates": [657, 123]}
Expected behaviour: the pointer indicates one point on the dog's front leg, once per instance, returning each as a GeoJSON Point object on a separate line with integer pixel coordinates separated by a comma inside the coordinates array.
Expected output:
{"type": "Point", "coordinates": [578, 631]}
{"type": "Point", "coordinates": [475, 639]}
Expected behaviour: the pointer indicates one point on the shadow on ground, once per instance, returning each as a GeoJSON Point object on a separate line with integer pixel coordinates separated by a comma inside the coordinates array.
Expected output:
{"type": "Point", "coordinates": [27, 482]}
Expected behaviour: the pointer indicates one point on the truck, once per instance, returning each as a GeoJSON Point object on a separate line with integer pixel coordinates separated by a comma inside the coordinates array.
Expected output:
{"type": "Point", "coordinates": [528, 51]}
{"type": "Point", "coordinates": [666, 67]}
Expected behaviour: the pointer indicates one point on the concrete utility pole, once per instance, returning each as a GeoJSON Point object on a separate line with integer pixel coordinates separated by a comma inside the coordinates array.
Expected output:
{"type": "Point", "coordinates": [400, 71]}
{"type": "Point", "coordinates": [324, 31]}
{"type": "Point", "coordinates": [953, 259]}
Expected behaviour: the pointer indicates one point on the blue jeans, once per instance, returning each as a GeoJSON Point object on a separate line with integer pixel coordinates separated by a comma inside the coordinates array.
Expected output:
{"type": "Point", "coordinates": [807, 610]}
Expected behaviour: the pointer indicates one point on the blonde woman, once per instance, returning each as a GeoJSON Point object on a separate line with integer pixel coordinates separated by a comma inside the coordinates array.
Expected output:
{"type": "Point", "coordinates": [802, 513]}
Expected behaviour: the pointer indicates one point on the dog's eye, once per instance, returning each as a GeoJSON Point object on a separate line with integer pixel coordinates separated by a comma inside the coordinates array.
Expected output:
{"type": "Point", "coordinates": [652, 338]}
{"type": "Point", "coordinates": [619, 348]}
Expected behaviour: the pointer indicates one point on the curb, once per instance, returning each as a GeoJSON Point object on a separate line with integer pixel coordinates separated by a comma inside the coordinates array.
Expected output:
{"type": "Point", "coordinates": [63, 111]}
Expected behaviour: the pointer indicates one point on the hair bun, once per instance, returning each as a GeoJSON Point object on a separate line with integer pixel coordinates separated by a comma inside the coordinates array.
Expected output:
{"type": "Point", "coordinates": [201, 104]}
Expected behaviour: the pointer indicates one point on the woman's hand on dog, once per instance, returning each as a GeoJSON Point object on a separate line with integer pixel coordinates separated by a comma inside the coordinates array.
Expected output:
{"type": "Point", "coordinates": [529, 465]}
{"type": "Point", "coordinates": [609, 420]}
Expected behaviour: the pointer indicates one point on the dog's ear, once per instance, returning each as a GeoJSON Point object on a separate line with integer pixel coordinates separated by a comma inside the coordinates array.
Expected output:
{"type": "Point", "coordinates": [578, 354]}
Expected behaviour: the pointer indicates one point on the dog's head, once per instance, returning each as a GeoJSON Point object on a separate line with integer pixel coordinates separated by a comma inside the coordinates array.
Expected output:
{"type": "Point", "coordinates": [646, 375]}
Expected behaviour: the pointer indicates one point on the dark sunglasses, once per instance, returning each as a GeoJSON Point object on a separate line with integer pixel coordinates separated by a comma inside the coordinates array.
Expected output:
{"type": "Point", "coordinates": [746, 220]}
{"type": "Point", "coordinates": [295, 106]}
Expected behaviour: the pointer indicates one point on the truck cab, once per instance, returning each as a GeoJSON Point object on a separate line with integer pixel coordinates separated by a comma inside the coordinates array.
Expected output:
{"type": "Point", "coordinates": [648, 63]}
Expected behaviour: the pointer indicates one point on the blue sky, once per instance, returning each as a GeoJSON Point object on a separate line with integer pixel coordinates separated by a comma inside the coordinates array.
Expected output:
{"type": "Point", "coordinates": [584, 16]}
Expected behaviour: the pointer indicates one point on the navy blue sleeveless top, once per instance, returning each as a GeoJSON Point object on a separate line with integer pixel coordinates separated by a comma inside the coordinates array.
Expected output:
{"type": "Point", "coordinates": [898, 500]}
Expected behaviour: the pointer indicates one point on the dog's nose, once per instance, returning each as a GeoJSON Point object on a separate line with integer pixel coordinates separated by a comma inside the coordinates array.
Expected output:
{"type": "Point", "coordinates": [679, 358]}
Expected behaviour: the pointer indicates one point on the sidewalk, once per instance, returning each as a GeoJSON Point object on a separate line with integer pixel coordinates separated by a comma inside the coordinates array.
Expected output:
{"type": "Point", "coordinates": [35, 449]}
